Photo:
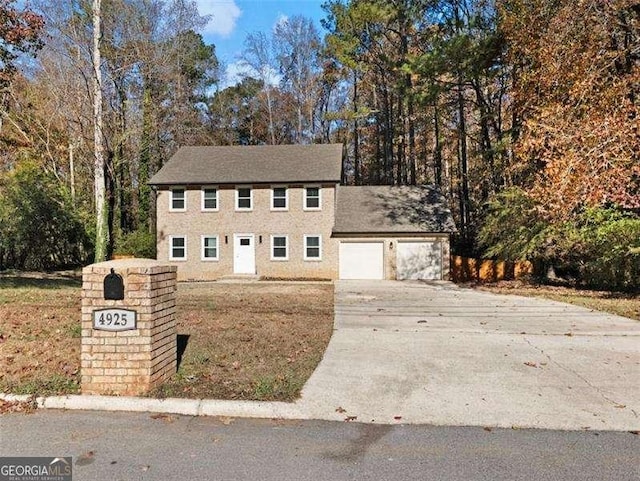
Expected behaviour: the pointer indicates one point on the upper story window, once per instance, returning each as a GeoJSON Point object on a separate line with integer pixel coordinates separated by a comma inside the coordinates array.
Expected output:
{"type": "Point", "coordinates": [279, 198]}
{"type": "Point", "coordinates": [178, 199]}
{"type": "Point", "coordinates": [244, 198]}
{"type": "Point", "coordinates": [177, 248]}
{"type": "Point", "coordinates": [312, 198]}
{"type": "Point", "coordinates": [209, 199]}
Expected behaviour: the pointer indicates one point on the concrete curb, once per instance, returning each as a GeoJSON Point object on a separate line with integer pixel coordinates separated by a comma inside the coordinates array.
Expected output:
{"type": "Point", "coordinates": [189, 407]}
{"type": "Point", "coordinates": [299, 411]}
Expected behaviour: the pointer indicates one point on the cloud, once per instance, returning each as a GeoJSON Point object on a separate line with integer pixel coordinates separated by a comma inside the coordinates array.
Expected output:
{"type": "Point", "coordinates": [224, 15]}
{"type": "Point", "coordinates": [281, 20]}
{"type": "Point", "coordinates": [236, 71]}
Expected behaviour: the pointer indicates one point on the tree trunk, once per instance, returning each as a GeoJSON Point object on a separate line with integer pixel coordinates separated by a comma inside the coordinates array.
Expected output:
{"type": "Point", "coordinates": [356, 136]}
{"type": "Point", "coordinates": [485, 139]}
{"type": "Point", "coordinates": [462, 157]}
{"type": "Point", "coordinates": [102, 227]}
{"type": "Point", "coordinates": [270, 111]}
{"type": "Point", "coordinates": [437, 148]}
{"type": "Point", "coordinates": [412, 138]}
{"type": "Point", "coordinates": [72, 173]}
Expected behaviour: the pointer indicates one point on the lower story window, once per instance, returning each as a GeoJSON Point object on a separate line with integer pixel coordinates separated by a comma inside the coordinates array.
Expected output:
{"type": "Point", "coordinates": [209, 248]}
{"type": "Point", "coordinates": [279, 248]}
{"type": "Point", "coordinates": [178, 248]}
{"type": "Point", "coordinates": [312, 247]}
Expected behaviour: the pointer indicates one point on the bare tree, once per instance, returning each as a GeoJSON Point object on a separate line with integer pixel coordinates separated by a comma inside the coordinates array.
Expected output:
{"type": "Point", "coordinates": [258, 55]}
{"type": "Point", "coordinates": [102, 230]}
{"type": "Point", "coordinates": [297, 43]}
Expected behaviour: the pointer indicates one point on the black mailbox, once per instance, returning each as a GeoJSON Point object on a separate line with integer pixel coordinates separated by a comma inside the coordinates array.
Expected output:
{"type": "Point", "coordinates": [113, 287]}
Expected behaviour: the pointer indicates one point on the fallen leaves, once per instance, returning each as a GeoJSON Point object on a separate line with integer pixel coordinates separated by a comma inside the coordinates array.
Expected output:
{"type": "Point", "coordinates": [164, 417]}
{"type": "Point", "coordinates": [226, 420]}
{"type": "Point", "coordinates": [86, 458]}
{"type": "Point", "coordinates": [26, 407]}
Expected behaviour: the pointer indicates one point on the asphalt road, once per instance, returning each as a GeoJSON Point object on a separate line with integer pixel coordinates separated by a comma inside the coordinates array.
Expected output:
{"type": "Point", "coordinates": [137, 446]}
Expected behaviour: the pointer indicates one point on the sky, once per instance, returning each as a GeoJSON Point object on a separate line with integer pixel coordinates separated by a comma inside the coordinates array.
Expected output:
{"type": "Point", "coordinates": [232, 20]}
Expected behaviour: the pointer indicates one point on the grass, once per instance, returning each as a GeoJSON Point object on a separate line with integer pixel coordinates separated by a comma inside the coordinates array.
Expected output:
{"type": "Point", "coordinates": [256, 341]}
{"type": "Point", "coordinates": [39, 335]}
{"type": "Point", "coordinates": [239, 341]}
{"type": "Point", "coordinates": [621, 304]}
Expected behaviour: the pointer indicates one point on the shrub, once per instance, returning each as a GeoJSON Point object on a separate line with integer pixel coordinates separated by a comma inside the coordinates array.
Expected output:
{"type": "Point", "coordinates": [41, 226]}
{"type": "Point", "coordinates": [610, 249]}
{"type": "Point", "coordinates": [139, 243]}
{"type": "Point", "coordinates": [597, 247]}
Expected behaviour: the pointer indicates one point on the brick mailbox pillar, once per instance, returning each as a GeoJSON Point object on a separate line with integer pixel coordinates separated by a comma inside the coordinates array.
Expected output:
{"type": "Point", "coordinates": [128, 326]}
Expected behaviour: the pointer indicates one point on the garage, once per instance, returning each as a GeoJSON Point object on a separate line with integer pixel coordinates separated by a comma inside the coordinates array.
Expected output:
{"type": "Point", "coordinates": [419, 260]}
{"type": "Point", "coordinates": [361, 260]}
{"type": "Point", "coordinates": [392, 232]}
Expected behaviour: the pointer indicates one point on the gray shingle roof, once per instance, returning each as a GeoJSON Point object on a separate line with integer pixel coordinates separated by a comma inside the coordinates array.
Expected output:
{"type": "Point", "coordinates": [391, 209]}
{"type": "Point", "coordinates": [252, 164]}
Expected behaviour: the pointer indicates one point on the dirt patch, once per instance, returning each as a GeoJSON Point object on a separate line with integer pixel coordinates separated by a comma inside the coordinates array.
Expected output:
{"type": "Point", "coordinates": [621, 304]}
{"type": "Point", "coordinates": [39, 335]}
{"type": "Point", "coordinates": [250, 341]}
{"type": "Point", "coordinates": [238, 341]}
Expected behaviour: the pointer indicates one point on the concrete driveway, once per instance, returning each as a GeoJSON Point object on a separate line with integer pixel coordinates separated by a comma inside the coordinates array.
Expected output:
{"type": "Point", "coordinates": [409, 352]}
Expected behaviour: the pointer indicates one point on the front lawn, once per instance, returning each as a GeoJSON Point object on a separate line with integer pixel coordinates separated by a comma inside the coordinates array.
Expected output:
{"type": "Point", "coordinates": [250, 341]}
{"type": "Point", "coordinates": [239, 341]}
{"type": "Point", "coordinates": [621, 304]}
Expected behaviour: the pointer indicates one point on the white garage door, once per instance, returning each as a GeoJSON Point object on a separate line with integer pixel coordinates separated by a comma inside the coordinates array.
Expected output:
{"type": "Point", "coordinates": [361, 260]}
{"type": "Point", "coordinates": [419, 260]}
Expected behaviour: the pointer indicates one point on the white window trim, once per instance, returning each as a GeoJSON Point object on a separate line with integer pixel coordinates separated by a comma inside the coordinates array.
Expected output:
{"type": "Point", "coordinates": [171, 237]}
{"type": "Point", "coordinates": [286, 198]}
{"type": "Point", "coordinates": [304, 198]}
{"type": "Point", "coordinates": [202, 207]}
{"type": "Point", "coordinates": [312, 259]}
{"type": "Point", "coordinates": [244, 209]}
{"type": "Point", "coordinates": [202, 247]}
{"type": "Point", "coordinates": [171, 189]}
{"type": "Point", "coordinates": [280, 259]}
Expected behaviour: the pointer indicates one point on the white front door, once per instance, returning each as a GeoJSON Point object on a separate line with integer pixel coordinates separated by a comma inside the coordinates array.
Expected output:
{"type": "Point", "coordinates": [244, 254]}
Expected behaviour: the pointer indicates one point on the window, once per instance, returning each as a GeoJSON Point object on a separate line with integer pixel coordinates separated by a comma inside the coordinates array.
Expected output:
{"type": "Point", "coordinates": [178, 199]}
{"type": "Point", "coordinates": [209, 199]}
{"type": "Point", "coordinates": [177, 248]}
{"type": "Point", "coordinates": [312, 198]}
{"type": "Point", "coordinates": [312, 248]}
{"type": "Point", "coordinates": [279, 198]}
{"type": "Point", "coordinates": [244, 198]}
{"type": "Point", "coordinates": [279, 248]}
{"type": "Point", "coordinates": [209, 248]}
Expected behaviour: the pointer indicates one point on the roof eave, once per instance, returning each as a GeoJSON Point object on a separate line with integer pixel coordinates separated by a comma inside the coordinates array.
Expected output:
{"type": "Point", "coordinates": [244, 182]}
{"type": "Point", "coordinates": [351, 233]}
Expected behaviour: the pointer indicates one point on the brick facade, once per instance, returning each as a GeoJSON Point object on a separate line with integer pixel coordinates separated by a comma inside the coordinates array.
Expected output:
{"type": "Point", "coordinates": [261, 221]}
{"type": "Point", "coordinates": [134, 361]}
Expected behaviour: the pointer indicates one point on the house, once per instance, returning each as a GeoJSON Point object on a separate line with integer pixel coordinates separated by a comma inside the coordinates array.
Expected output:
{"type": "Point", "coordinates": [280, 212]}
